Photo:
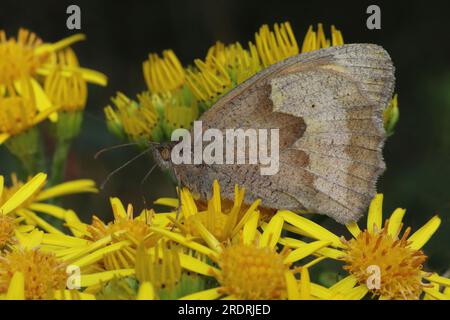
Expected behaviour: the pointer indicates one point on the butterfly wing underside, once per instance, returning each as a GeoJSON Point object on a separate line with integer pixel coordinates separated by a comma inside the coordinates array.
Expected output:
{"type": "Point", "coordinates": [328, 105]}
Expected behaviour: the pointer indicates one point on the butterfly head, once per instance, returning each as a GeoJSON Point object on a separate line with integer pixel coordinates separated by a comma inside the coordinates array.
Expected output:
{"type": "Point", "coordinates": [162, 154]}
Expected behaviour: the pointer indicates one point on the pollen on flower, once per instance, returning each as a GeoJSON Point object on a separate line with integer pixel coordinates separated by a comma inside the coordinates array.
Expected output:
{"type": "Point", "coordinates": [17, 56]}
{"type": "Point", "coordinates": [251, 272]}
{"type": "Point", "coordinates": [42, 272]}
{"type": "Point", "coordinates": [400, 266]}
{"type": "Point", "coordinates": [219, 216]}
{"type": "Point", "coordinates": [6, 230]}
{"type": "Point", "coordinates": [122, 228]}
{"type": "Point", "coordinates": [18, 114]}
{"type": "Point", "coordinates": [137, 229]}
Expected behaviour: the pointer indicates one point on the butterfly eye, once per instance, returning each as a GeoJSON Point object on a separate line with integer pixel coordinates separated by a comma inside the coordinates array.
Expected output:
{"type": "Point", "coordinates": [165, 154]}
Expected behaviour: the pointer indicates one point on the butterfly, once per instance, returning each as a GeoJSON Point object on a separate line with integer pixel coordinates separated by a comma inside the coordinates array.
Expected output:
{"type": "Point", "coordinates": [328, 106]}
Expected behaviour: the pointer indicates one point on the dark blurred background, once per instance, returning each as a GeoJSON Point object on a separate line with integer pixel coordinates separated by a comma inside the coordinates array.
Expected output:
{"type": "Point", "coordinates": [122, 33]}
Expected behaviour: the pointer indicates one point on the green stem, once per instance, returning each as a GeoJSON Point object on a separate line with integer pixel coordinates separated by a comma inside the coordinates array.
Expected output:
{"type": "Point", "coordinates": [27, 147]}
{"type": "Point", "coordinates": [59, 160]}
{"type": "Point", "coordinates": [65, 130]}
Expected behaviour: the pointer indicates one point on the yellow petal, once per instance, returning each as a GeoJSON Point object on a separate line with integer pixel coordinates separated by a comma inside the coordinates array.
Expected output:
{"type": "Point", "coordinates": [25, 228]}
{"type": "Point", "coordinates": [2, 184]}
{"type": "Point", "coordinates": [250, 228]}
{"type": "Point", "coordinates": [357, 293]}
{"type": "Point", "coordinates": [146, 292]}
{"type": "Point", "coordinates": [182, 240]}
{"type": "Point", "coordinates": [70, 187]}
{"type": "Point", "coordinates": [71, 254]}
{"type": "Point", "coordinates": [49, 209]}
{"type": "Point", "coordinates": [44, 225]}
{"type": "Point", "coordinates": [320, 292]}
{"type": "Point", "coordinates": [24, 193]}
{"type": "Point", "coordinates": [210, 294]}
{"type": "Point", "coordinates": [436, 294]}
{"type": "Point", "coordinates": [96, 278]}
{"type": "Point", "coordinates": [61, 44]}
{"type": "Point", "coordinates": [420, 237]}
{"type": "Point", "coordinates": [75, 225]}
{"type": "Point", "coordinates": [4, 137]}
{"type": "Point", "coordinates": [63, 240]}
{"type": "Point", "coordinates": [375, 217]}
{"type": "Point", "coordinates": [98, 255]}
{"type": "Point", "coordinates": [196, 265]}
{"type": "Point", "coordinates": [245, 218]}
{"type": "Point", "coordinates": [305, 250]}
{"type": "Point", "coordinates": [30, 240]}
{"type": "Point", "coordinates": [314, 262]}
{"type": "Point", "coordinates": [292, 286]}
{"type": "Point", "coordinates": [305, 285]}
{"type": "Point", "coordinates": [309, 228]}
{"type": "Point", "coordinates": [93, 76]}
{"type": "Point", "coordinates": [43, 103]}
{"type": "Point", "coordinates": [353, 229]}
{"type": "Point", "coordinates": [439, 279]}
{"type": "Point", "coordinates": [118, 208]}
{"type": "Point", "coordinates": [16, 288]}
{"type": "Point", "coordinates": [188, 206]}
{"type": "Point", "coordinates": [326, 252]}
{"type": "Point", "coordinates": [209, 238]}
{"type": "Point", "coordinates": [395, 221]}
{"type": "Point", "coordinates": [344, 285]}
{"type": "Point", "coordinates": [272, 232]}
{"type": "Point", "coordinates": [170, 202]}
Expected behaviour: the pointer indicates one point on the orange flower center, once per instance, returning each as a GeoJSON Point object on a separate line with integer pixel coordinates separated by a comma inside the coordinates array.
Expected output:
{"type": "Point", "coordinates": [6, 230]}
{"type": "Point", "coordinates": [399, 266]}
{"type": "Point", "coordinates": [43, 272]}
{"type": "Point", "coordinates": [250, 272]}
{"type": "Point", "coordinates": [17, 56]}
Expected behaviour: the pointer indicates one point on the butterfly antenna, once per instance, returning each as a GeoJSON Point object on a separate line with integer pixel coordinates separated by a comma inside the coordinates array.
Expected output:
{"type": "Point", "coordinates": [149, 172]}
{"type": "Point", "coordinates": [122, 166]}
{"type": "Point", "coordinates": [101, 151]}
{"type": "Point", "coordinates": [178, 194]}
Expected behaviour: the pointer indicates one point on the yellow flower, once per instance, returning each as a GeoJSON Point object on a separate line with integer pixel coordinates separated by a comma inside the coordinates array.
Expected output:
{"type": "Point", "coordinates": [20, 112]}
{"type": "Point", "coordinates": [66, 91]}
{"type": "Point", "coordinates": [163, 74]}
{"type": "Point", "coordinates": [225, 67]}
{"type": "Point", "coordinates": [28, 57]}
{"type": "Point", "coordinates": [179, 110]}
{"type": "Point", "coordinates": [277, 45]}
{"type": "Point", "coordinates": [315, 40]}
{"type": "Point", "coordinates": [31, 197]}
{"type": "Point", "coordinates": [21, 195]}
{"type": "Point", "coordinates": [250, 266]}
{"type": "Point", "coordinates": [26, 272]}
{"type": "Point", "coordinates": [101, 247]}
{"type": "Point", "coordinates": [137, 121]}
{"type": "Point", "coordinates": [152, 117]}
{"type": "Point", "coordinates": [398, 259]}
{"type": "Point", "coordinates": [221, 217]}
